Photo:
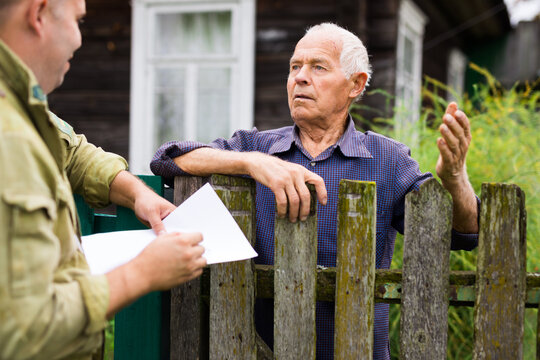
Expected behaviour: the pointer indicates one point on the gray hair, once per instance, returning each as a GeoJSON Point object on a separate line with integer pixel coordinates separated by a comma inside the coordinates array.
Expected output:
{"type": "Point", "coordinates": [354, 57]}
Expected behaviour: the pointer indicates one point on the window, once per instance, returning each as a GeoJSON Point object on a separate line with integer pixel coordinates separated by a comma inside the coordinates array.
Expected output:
{"type": "Point", "coordinates": [409, 68]}
{"type": "Point", "coordinates": [457, 63]}
{"type": "Point", "coordinates": [192, 73]}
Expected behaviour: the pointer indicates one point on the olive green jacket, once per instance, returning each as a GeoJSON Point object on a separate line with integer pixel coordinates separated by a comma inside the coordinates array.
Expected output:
{"type": "Point", "coordinates": [50, 305]}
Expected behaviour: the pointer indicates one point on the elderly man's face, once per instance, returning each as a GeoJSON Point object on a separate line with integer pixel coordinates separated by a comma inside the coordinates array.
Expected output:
{"type": "Point", "coordinates": [317, 87]}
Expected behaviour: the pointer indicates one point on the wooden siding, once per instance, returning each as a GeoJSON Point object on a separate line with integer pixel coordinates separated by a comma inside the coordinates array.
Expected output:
{"type": "Point", "coordinates": [382, 33]}
{"type": "Point", "coordinates": [94, 98]}
{"type": "Point", "coordinates": [279, 26]}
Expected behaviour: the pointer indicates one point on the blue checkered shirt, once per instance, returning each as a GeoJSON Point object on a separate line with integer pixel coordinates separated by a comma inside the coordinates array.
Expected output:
{"type": "Point", "coordinates": [356, 156]}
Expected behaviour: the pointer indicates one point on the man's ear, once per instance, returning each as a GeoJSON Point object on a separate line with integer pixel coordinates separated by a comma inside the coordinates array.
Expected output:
{"type": "Point", "coordinates": [359, 80]}
{"type": "Point", "coordinates": [35, 15]}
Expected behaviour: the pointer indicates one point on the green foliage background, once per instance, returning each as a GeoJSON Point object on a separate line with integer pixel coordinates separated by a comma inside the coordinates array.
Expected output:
{"type": "Point", "coordinates": [505, 127]}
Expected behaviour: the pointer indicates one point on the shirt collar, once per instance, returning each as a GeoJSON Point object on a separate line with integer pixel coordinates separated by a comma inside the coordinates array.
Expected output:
{"type": "Point", "coordinates": [22, 83]}
{"type": "Point", "coordinates": [284, 143]}
{"type": "Point", "coordinates": [351, 143]}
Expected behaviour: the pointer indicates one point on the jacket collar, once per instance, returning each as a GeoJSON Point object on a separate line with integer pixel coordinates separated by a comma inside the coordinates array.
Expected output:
{"type": "Point", "coordinates": [19, 78]}
{"type": "Point", "coordinates": [22, 83]}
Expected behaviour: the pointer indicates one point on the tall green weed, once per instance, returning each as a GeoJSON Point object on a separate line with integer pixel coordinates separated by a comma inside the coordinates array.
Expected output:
{"type": "Point", "coordinates": [505, 128]}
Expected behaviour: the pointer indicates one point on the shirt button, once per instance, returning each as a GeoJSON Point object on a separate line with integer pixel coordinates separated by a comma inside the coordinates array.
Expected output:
{"type": "Point", "coordinates": [313, 163]}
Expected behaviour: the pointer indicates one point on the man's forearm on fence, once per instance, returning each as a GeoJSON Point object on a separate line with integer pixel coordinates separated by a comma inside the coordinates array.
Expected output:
{"type": "Point", "coordinates": [465, 206]}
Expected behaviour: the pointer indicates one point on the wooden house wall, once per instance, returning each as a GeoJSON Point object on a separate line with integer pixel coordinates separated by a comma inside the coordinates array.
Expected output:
{"type": "Point", "coordinates": [520, 58]}
{"type": "Point", "coordinates": [381, 42]}
{"type": "Point", "coordinates": [95, 95]}
{"type": "Point", "coordinates": [281, 24]}
{"type": "Point", "coordinates": [94, 98]}
{"type": "Point", "coordinates": [465, 25]}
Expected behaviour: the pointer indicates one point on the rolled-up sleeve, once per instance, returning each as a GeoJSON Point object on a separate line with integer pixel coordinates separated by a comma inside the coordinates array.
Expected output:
{"type": "Point", "coordinates": [91, 170]}
{"type": "Point", "coordinates": [95, 292]}
{"type": "Point", "coordinates": [462, 241]}
{"type": "Point", "coordinates": [163, 164]}
{"type": "Point", "coordinates": [409, 178]}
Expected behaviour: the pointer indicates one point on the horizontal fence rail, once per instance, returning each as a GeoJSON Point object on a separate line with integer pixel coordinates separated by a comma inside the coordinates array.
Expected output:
{"type": "Point", "coordinates": [387, 287]}
{"type": "Point", "coordinates": [426, 258]}
{"type": "Point", "coordinates": [213, 316]}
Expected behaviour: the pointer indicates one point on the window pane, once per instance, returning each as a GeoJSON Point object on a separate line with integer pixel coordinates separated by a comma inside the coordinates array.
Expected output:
{"type": "Point", "coordinates": [408, 55]}
{"type": "Point", "coordinates": [193, 33]}
{"type": "Point", "coordinates": [169, 104]}
{"type": "Point", "coordinates": [213, 103]}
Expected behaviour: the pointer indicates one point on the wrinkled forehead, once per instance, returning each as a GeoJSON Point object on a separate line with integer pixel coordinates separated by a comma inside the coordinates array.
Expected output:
{"type": "Point", "coordinates": [319, 43]}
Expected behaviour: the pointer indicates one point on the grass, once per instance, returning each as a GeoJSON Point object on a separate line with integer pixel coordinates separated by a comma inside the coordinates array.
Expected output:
{"type": "Point", "coordinates": [108, 353]}
{"type": "Point", "coordinates": [505, 126]}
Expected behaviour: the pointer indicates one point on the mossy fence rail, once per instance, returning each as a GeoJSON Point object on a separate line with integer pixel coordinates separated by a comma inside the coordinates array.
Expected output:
{"type": "Point", "coordinates": [212, 316]}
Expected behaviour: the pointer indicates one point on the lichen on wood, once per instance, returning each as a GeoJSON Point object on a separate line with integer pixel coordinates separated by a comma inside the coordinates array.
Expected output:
{"type": "Point", "coordinates": [355, 270]}
{"type": "Point", "coordinates": [425, 283]}
{"type": "Point", "coordinates": [232, 285]}
{"type": "Point", "coordinates": [501, 276]}
{"type": "Point", "coordinates": [295, 264]}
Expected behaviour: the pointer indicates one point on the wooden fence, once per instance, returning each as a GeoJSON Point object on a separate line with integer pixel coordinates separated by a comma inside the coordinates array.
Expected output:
{"type": "Point", "coordinates": [212, 316]}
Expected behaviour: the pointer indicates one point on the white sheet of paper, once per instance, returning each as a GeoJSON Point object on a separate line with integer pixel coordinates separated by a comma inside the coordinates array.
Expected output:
{"type": "Point", "coordinates": [204, 211]}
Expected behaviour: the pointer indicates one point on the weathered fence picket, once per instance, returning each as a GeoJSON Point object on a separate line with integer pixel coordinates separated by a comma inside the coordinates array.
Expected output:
{"type": "Point", "coordinates": [232, 294]}
{"type": "Point", "coordinates": [355, 269]}
{"type": "Point", "coordinates": [295, 277]}
{"type": "Point", "coordinates": [501, 274]}
{"type": "Point", "coordinates": [212, 317]}
{"type": "Point", "coordinates": [426, 257]}
{"type": "Point", "coordinates": [188, 328]}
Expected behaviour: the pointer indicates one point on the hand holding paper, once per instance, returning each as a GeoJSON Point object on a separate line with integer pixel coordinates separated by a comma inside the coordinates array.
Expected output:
{"type": "Point", "coordinates": [203, 212]}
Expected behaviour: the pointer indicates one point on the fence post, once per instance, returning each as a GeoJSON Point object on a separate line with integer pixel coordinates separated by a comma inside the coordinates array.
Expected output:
{"type": "Point", "coordinates": [295, 276]}
{"type": "Point", "coordinates": [232, 285]}
{"type": "Point", "coordinates": [501, 274]}
{"type": "Point", "coordinates": [426, 270]}
{"type": "Point", "coordinates": [188, 331]}
{"type": "Point", "coordinates": [355, 273]}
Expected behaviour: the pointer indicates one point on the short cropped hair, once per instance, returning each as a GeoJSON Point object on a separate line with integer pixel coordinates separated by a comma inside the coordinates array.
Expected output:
{"type": "Point", "coordinates": [354, 57]}
{"type": "Point", "coordinates": [5, 7]}
{"type": "Point", "coordinates": [6, 3]}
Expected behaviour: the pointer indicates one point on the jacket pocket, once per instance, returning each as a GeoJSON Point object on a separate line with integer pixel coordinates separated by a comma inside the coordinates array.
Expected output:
{"type": "Point", "coordinates": [32, 245]}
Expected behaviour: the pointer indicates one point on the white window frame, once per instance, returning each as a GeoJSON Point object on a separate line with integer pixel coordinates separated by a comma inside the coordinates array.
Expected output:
{"type": "Point", "coordinates": [411, 24]}
{"type": "Point", "coordinates": [457, 65]}
{"type": "Point", "coordinates": [142, 122]}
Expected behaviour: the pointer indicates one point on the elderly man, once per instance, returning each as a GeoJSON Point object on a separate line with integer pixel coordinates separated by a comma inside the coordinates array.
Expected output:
{"type": "Point", "coordinates": [328, 71]}
{"type": "Point", "coordinates": [51, 307]}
